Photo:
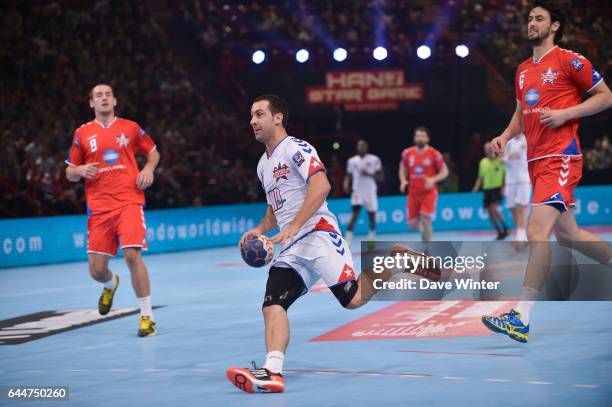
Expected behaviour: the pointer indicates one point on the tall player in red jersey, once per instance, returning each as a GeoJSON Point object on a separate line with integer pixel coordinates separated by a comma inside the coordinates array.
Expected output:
{"type": "Point", "coordinates": [421, 168]}
{"type": "Point", "coordinates": [549, 89]}
{"type": "Point", "coordinates": [103, 152]}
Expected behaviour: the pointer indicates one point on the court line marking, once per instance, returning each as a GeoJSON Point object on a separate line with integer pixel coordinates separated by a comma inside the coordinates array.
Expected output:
{"type": "Point", "coordinates": [327, 372]}
{"type": "Point", "coordinates": [536, 382]}
{"type": "Point", "coordinates": [357, 373]}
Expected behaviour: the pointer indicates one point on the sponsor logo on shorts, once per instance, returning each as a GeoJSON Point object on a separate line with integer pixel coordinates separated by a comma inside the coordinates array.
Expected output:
{"type": "Point", "coordinates": [564, 171]}
{"type": "Point", "coordinates": [347, 274]}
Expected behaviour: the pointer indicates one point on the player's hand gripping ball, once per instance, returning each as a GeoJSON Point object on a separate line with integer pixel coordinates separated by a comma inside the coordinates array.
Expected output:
{"type": "Point", "coordinates": [257, 251]}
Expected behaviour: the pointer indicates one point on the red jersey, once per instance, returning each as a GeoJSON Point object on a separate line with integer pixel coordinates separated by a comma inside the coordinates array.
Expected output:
{"type": "Point", "coordinates": [557, 81]}
{"type": "Point", "coordinates": [421, 164]}
{"type": "Point", "coordinates": [114, 147]}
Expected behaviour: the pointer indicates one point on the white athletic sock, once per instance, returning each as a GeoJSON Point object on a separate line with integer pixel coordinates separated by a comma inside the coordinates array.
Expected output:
{"type": "Point", "coordinates": [524, 308]}
{"type": "Point", "coordinates": [110, 284]}
{"type": "Point", "coordinates": [526, 302]}
{"type": "Point", "coordinates": [349, 236]}
{"type": "Point", "coordinates": [274, 361]}
{"type": "Point", "coordinates": [146, 310]}
{"type": "Point", "coordinates": [371, 235]}
{"type": "Point", "coordinates": [521, 235]}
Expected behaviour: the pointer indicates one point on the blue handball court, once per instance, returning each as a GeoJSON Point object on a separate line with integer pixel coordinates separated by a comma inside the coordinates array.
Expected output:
{"type": "Point", "coordinates": [422, 353]}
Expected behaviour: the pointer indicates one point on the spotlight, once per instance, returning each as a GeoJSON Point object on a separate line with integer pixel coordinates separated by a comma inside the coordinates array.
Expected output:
{"type": "Point", "coordinates": [259, 56]}
{"type": "Point", "coordinates": [340, 54]}
{"type": "Point", "coordinates": [302, 56]}
{"type": "Point", "coordinates": [462, 51]}
{"type": "Point", "coordinates": [379, 53]}
{"type": "Point", "coordinates": [423, 52]}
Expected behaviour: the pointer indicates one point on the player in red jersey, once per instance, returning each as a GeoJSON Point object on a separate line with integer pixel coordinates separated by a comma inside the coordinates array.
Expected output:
{"type": "Point", "coordinates": [103, 152]}
{"type": "Point", "coordinates": [421, 168]}
{"type": "Point", "coordinates": [549, 89]}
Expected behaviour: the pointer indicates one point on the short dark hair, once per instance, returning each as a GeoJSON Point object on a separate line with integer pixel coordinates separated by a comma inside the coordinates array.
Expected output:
{"type": "Point", "coordinates": [423, 129]}
{"type": "Point", "coordinates": [99, 84]}
{"type": "Point", "coordinates": [556, 14]}
{"type": "Point", "coordinates": [276, 104]}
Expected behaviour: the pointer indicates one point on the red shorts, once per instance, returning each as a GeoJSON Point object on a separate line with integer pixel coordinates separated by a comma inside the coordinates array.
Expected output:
{"type": "Point", "coordinates": [421, 203]}
{"type": "Point", "coordinates": [124, 226]}
{"type": "Point", "coordinates": [554, 180]}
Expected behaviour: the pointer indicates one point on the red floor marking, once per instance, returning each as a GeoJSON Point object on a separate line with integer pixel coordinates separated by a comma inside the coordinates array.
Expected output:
{"type": "Point", "coordinates": [419, 319]}
{"type": "Point", "coordinates": [235, 264]}
{"type": "Point", "coordinates": [356, 373]}
{"type": "Point", "coordinates": [457, 353]}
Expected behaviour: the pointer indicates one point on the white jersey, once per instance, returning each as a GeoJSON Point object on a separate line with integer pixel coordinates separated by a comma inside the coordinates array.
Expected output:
{"type": "Point", "coordinates": [370, 164]}
{"type": "Point", "coordinates": [284, 176]}
{"type": "Point", "coordinates": [515, 159]}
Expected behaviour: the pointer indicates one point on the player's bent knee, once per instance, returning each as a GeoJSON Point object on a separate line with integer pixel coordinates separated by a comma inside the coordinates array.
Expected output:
{"type": "Point", "coordinates": [284, 286]}
{"type": "Point", "coordinates": [132, 256]}
{"type": "Point", "coordinates": [345, 293]}
{"type": "Point", "coordinates": [98, 267]}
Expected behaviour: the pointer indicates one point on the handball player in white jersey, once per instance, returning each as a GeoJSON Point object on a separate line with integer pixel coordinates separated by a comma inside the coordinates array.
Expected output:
{"type": "Point", "coordinates": [296, 186]}
{"type": "Point", "coordinates": [363, 170]}
{"type": "Point", "coordinates": [517, 184]}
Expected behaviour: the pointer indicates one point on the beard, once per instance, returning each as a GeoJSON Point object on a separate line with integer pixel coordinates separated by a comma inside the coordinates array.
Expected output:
{"type": "Point", "coordinates": [420, 144]}
{"type": "Point", "coordinates": [539, 38]}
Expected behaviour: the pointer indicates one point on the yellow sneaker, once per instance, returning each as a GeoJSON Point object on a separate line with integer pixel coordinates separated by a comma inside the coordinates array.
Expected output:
{"type": "Point", "coordinates": [147, 327]}
{"type": "Point", "coordinates": [106, 299]}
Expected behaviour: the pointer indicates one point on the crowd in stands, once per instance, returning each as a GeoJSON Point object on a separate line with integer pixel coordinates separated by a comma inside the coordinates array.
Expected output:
{"type": "Point", "coordinates": [499, 28]}
{"type": "Point", "coordinates": [599, 157]}
{"type": "Point", "coordinates": [53, 52]}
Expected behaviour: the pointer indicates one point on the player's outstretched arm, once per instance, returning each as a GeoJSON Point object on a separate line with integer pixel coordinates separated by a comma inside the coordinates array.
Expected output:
{"type": "Point", "coordinates": [318, 189]}
{"type": "Point", "coordinates": [267, 224]}
{"type": "Point", "coordinates": [514, 129]}
{"type": "Point", "coordinates": [600, 100]}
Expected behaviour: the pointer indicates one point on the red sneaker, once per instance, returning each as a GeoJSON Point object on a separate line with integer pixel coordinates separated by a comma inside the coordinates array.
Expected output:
{"type": "Point", "coordinates": [256, 380]}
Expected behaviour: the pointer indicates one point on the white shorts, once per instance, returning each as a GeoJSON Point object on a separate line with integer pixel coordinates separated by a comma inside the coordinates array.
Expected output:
{"type": "Point", "coordinates": [318, 255]}
{"type": "Point", "coordinates": [367, 199]}
{"type": "Point", "coordinates": [517, 194]}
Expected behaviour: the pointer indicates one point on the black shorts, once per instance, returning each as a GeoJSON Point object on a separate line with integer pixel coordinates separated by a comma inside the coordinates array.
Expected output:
{"type": "Point", "coordinates": [284, 286]}
{"type": "Point", "coordinates": [492, 196]}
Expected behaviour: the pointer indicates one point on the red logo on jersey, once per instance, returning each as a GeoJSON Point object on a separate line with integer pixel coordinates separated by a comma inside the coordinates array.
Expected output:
{"type": "Point", "coordinates": [315, 165]}
{"type": "Point", "coordinates": [347, 274]}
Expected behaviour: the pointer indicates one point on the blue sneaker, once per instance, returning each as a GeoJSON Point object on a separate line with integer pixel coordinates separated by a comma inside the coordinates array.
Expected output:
{"type": "Point", "coordinates": [509, 324]}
